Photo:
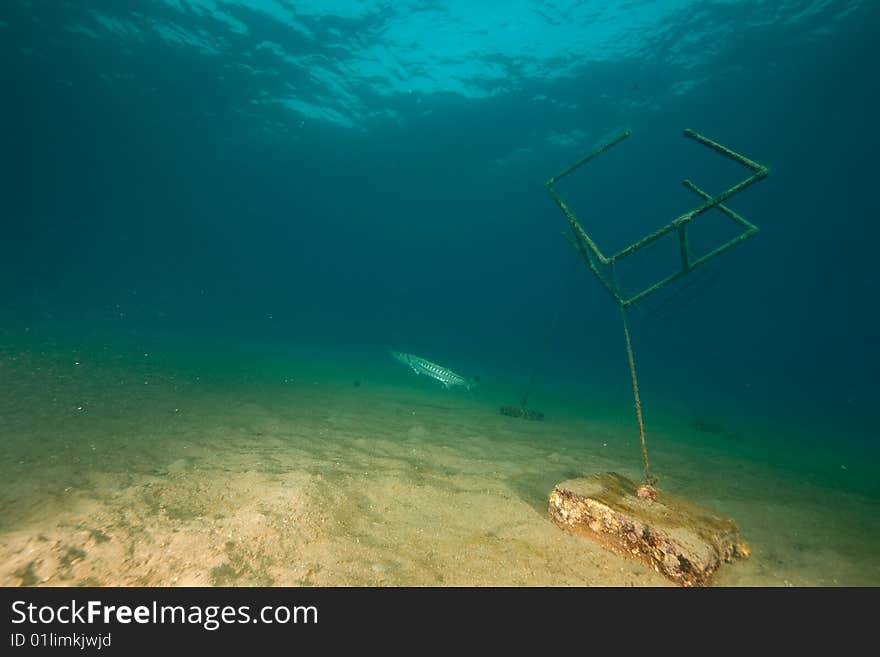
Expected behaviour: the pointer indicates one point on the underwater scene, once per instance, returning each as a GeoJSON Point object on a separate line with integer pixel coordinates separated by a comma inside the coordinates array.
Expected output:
{"type": "Point", "coordinates": [437, 293]}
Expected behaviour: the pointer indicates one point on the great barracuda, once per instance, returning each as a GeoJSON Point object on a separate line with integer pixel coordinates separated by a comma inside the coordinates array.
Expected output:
{"type": "Point", "coordinates": [444, 375]}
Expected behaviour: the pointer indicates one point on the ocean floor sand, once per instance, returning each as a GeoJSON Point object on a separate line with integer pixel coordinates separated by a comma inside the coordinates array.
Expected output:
{"type": "Point", "coordinates": [135, 474]}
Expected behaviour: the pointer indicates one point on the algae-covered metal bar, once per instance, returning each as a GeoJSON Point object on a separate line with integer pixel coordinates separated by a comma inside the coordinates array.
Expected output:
{"type": "Point", "coordinates": [595, 153]}
{"type": "Point", "coordinates": [750, 227]}
{"type": "Point", "coordinates": [742, 159]}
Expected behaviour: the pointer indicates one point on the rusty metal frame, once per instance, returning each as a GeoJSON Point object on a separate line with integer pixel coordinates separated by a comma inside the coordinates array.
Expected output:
{"type": "Point", "coordinates": [594, 257]}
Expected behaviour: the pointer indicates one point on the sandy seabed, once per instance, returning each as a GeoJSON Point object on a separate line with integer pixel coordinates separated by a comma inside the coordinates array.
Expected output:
{"type": "Point", "coordinates": [133, 476]}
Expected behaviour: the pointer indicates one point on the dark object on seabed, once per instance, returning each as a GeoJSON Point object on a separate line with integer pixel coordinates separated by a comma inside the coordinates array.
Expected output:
{"type": "Point", "coordinates": [524, 413]}
{"type": "Point", "coordinates": [679, 539]}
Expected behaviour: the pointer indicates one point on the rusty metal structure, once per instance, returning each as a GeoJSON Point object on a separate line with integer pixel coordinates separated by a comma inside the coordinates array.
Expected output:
{"type": "Point", "coordinates": [603, 266]}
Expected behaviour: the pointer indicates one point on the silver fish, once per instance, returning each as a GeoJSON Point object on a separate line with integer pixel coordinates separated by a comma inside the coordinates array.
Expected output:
{"type": "Point", "coordinates": [444, 375]}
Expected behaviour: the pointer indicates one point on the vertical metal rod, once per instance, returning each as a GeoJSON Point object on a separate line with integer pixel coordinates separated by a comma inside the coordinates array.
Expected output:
{"type": "Point", "coordinates": [649, 480]}
{"type": "Point", "coordinates": [683, 247]}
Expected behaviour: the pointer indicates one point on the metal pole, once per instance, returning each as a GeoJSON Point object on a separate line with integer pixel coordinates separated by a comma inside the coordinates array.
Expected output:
{"type": "Point", "coordinates": [649, 480]}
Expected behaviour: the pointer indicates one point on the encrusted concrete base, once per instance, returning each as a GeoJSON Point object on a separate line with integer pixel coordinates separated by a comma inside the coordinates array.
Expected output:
{"type": "Point", "coordinates": [685, 542]}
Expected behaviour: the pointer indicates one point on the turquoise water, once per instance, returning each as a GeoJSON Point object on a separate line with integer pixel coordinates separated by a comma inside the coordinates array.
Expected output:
{"type": "Point", "coordinates": [217, 218]}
